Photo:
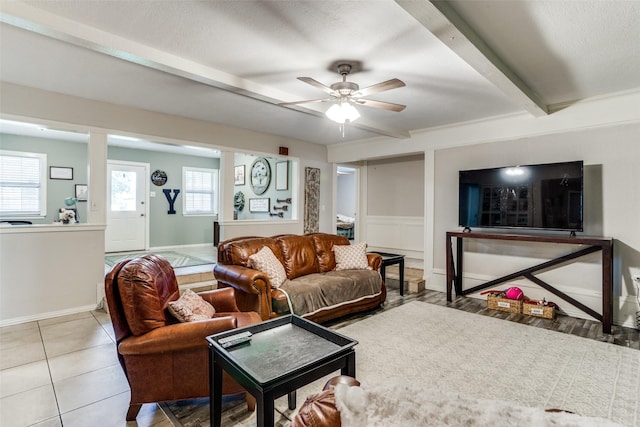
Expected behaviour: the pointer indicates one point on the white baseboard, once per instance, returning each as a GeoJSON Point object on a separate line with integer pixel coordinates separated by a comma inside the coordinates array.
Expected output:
{"type": "Point", "coordinates": [47, 315]}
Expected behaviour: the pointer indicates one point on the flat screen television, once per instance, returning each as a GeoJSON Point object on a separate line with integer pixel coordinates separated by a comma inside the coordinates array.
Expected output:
{"type": "Point", "coordinates": [545, 197]}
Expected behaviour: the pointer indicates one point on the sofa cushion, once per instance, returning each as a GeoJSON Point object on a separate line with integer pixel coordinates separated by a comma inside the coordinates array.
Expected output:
{"type": "Point", "coordinates": [350, 257]}
{"type": "Point", "coordinates": [324, 244]}
{"type": "Point", "coordinates": [299, 255]}
{"type": "Point", "coordinates": [324, 291]}
{"type": "Point", "coordinates": [238, 251]}
{"type": "Point", "coordinates": [190, 307]}
{"type": "Point", "coordinates": [265, 261]}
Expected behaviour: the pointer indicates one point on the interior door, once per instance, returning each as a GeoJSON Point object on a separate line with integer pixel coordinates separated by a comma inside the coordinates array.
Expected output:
{"type": "Point", "coordinates": [127, 190]}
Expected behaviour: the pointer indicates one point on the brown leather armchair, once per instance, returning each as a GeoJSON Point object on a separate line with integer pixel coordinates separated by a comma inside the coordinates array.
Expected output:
{"type": "Point", "coordinates": [163, 359]}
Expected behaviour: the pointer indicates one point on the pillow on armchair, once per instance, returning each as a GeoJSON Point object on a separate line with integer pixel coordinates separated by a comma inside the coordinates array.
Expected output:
{"type": "Point", "coordinates": [190, 307]}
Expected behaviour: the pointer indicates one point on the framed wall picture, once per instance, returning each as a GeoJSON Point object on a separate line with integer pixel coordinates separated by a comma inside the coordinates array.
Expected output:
{"type": "Point", "coordinates": [82, 192]}
{"type": "Point", "coordinates": [59, 172]}
{"type": "Point", "coordinates": [238, 175]}
{"type": "Point", "coordinates": [282, 175]}
{"type": "Point", "coordinates": [259, 205]}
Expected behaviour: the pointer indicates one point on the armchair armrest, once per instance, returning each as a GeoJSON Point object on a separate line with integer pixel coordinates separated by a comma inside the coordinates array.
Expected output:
{"type": "Point", "coordinates": [176, 337]}
{"type": "Point", "coordinates": [375, 261]}
{"type": "Point", "coordinates": [223, 300]}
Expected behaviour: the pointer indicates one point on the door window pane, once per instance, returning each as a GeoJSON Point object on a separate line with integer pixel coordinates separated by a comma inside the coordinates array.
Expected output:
{"type": "Point", "coordinates": [123, 191]}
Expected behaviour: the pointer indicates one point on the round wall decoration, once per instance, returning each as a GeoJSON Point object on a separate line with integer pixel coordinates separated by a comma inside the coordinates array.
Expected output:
{"type": "Point", "coordinates": [260, 175]}
{"type": "Point", "coordinates": [159, 177]}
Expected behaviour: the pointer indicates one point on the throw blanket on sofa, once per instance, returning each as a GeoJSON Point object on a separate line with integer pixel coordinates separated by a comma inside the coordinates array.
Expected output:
{"type": "Point", "coordinates": [321, 291]}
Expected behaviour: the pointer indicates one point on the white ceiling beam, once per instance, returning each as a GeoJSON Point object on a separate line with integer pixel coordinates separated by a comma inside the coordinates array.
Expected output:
{"type": "Point", "coordinates": [39, 21]}
{"type": "Point", "coordinates": [442, 21]}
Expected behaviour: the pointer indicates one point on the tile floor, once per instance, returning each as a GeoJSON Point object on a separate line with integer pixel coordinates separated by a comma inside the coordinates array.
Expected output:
{"type": "Point", "coordinates": [64, 371]}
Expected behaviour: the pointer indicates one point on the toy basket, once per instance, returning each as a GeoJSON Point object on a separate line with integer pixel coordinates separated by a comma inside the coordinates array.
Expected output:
{"type": "Point", "coordinates": [504, 304]}
{"type": "Point", "coordinates": [544, 311]}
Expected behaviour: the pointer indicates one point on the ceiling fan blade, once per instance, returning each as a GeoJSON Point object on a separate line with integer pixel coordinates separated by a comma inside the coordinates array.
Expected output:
{"type": "Point", "coordinates": [315, 83]}
{"type": "Point", "coordinates": [306, 101]}
{"type": "Point", "coordinates": [380, 104]}
{"type": "Point", "coordinates": [380, 87]}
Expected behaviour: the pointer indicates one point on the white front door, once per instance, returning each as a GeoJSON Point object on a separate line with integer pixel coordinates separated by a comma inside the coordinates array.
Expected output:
{"type": "Point", "coordinates": [127, 190]}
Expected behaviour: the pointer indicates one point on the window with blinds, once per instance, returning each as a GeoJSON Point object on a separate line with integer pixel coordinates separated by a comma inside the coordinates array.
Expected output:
{"type": "Point", "coordinates": [23, 184]}
{"type": "Point", "coordinates": [200, 188]}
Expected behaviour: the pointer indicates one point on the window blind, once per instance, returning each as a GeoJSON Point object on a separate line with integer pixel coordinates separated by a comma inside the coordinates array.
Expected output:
{"type": "Point", "coordinates": [22, 177]}
{"type": "Point", "coordinates": [200, 189]}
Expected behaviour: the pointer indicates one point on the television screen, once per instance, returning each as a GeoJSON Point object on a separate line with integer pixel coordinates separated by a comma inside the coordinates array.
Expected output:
{"type": "Point", "coordinates": [546, 196]}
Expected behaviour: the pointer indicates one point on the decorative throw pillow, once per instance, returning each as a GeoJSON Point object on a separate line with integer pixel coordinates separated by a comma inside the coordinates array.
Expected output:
{"type": "Point", "coordinates": [266, 261]}
{"type": "Point", "coordinates": [191, 307]}
{"type": "Point", "coordinates": [351, 257]}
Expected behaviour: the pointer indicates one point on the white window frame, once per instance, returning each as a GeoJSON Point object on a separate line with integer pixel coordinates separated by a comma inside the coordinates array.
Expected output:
{"type": "Point", "coordinates": [215, 191]}
{"type": "Point", "coordinates": [42, 189]}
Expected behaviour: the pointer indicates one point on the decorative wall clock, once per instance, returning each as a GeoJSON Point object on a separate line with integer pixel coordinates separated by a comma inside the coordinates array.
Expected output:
{"type": "Point", "coordinates": [260, 175]}
{"type": "Point", "coordinates": [159, 178]}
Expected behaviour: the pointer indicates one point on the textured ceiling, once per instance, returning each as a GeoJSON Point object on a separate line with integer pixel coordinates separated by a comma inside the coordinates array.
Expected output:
{"type": "Point", "coordinates": [231, 62]}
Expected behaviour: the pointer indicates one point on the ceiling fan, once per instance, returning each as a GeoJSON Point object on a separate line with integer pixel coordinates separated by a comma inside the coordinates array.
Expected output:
{"type": "Point", "coordinates": [344, 94]}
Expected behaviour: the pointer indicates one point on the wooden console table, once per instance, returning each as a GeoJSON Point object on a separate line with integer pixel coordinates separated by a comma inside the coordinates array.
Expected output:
{"type": "Point", "coordinates": [593, 244]}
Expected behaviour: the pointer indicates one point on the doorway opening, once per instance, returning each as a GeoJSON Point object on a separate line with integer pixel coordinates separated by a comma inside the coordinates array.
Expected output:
{"type": "Point", "coordinates": [347, 203]}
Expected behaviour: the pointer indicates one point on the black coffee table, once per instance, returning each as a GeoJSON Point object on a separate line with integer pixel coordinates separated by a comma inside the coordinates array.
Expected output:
{"type": "Point", "coordinates": [283, 355]}
{"type": "Point", "coordinates": [390, 259]}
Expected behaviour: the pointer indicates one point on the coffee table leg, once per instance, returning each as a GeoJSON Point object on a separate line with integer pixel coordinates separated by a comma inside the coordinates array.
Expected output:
{"type": "Point", "coordinates": [350, 366]}
{"type": "Point", "coordinates": [292, 400]}
{"type": "Point", "coordinates": [264, 410]}
{"type": "Point", "coordinates": [215, 387]}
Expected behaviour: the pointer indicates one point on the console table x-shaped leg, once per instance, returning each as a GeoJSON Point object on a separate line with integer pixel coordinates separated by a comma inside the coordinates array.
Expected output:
{"type": "Point", "coordinates": [455, 277]}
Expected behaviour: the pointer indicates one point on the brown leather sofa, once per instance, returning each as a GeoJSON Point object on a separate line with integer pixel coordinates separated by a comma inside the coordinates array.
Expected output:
{"type": "Point", "coordinates": [163, 359]}
{"type": "Point", "coordinates": [303, 257]}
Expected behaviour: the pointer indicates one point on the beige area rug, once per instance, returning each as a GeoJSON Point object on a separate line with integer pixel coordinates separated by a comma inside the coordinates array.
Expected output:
{"type": "Point", "coordinates": [477, 357]}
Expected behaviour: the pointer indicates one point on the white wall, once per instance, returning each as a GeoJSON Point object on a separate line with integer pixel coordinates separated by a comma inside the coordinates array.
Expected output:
{"type": "Point", "coordinates": [394, 218]}
{"type": "Point", "coordinates": [602, 131]}
{"type": "Point", "coordinates": [346, 202]}
{"type": "Point", "coordinates": [612, 204]}
{"type": "Point", "coordinates": [66, 262]}
{"type": "Point", "coordinates": [49, 271]}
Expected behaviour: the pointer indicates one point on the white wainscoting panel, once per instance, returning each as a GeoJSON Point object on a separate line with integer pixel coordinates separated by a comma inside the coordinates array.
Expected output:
{"type": "Point", "coordinates": [396, 234]}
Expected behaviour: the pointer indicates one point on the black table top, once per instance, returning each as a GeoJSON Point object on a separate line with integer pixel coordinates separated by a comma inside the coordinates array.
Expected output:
{"type": "Point", "coordinates": [387, 256]}
{"type": "Point", "coordinates": [281, 346]}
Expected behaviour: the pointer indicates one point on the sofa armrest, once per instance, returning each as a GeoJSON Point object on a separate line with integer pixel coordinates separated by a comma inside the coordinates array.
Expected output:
{"type": "Point", "coordinates": [223, 300]}
{"type": "Point", "coordinates": [375, 261]}
{"type": "Point", "coordinates": [242, 278]}
{"type": "Point", "coordinates": [176, 337]}
{"type": "Point", "coordinates": [253, 288]}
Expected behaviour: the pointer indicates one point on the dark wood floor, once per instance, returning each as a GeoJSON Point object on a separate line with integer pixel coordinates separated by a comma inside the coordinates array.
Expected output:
{"type": "Point", "coordinates": [591, 329]}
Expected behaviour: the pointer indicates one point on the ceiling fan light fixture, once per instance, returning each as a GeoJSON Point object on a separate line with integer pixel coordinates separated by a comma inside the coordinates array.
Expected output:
{"type": "Point", "coordinates": [342, 112]}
